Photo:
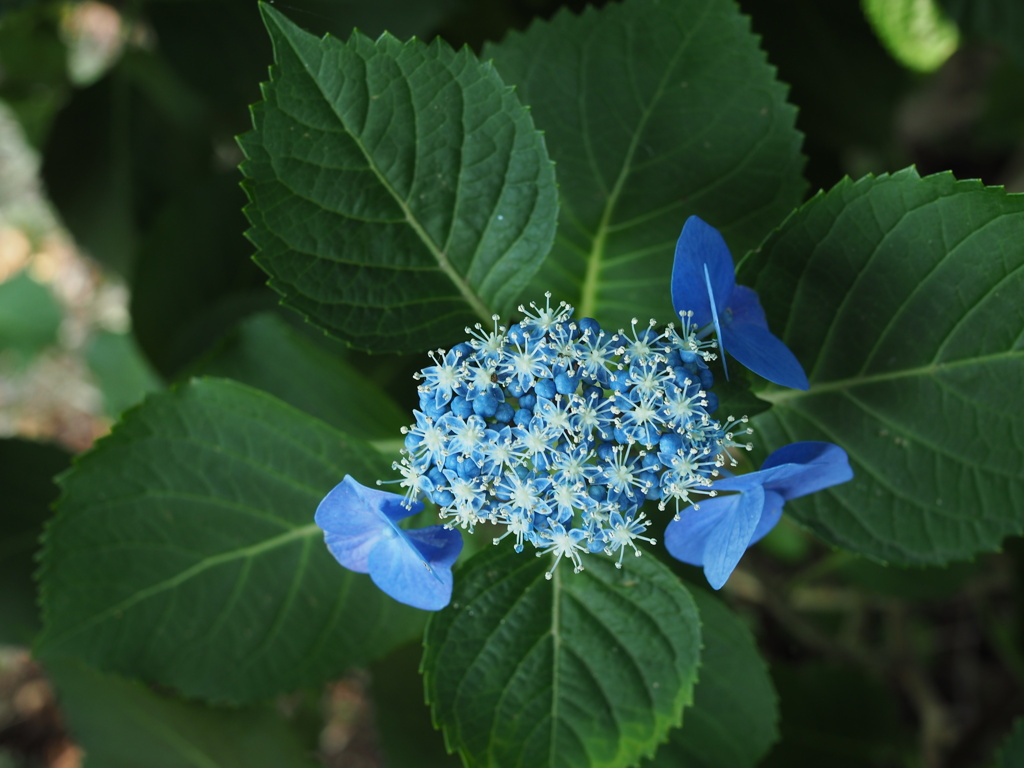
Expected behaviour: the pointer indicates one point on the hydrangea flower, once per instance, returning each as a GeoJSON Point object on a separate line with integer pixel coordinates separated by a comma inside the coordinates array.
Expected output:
{"type": "Point", "coordinates": [716, 533]}
{"type": "Point", "coordinates": [361, 530]}
{"type": "Point", "coordinates": [556, 432]}
{"type": "Point", "coordinates": [704, 282]}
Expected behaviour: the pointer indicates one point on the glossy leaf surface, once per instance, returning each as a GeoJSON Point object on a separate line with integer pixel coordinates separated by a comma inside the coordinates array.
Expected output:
{"type": "Point", "coordinates": [399, 190]}
{"type": "Point", "coordinates": [184, 550]}
{"type": "Point", "coordinates": [587, 669]}
{"type": "Point", "coordinates": [652, 111]}
{"type": "Point", "coordinates": [902, 298]}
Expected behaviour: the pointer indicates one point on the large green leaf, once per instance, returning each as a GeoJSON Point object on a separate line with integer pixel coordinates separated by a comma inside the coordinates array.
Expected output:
{"type": "Point", "coordinates": [902, 297]}
{"type": "Point", "coordinates": [184, 550]}
{"type": "Point", "coordinates": [122, 724]}
{"type": "Point", "coordinates": [734, 717]}
{"type": "Point", "coordinates": [653, 111]}
{"type": "Point", "coordinates": [398, 190]}
{"type": "Point", "coordinates": [588, 669]}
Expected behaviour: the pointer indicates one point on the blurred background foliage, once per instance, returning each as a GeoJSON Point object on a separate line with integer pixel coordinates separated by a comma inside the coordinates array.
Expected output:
{"type": "Point", "coordinates": [123, 268]}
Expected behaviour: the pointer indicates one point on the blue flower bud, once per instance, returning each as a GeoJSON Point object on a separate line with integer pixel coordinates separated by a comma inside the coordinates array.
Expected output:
{"type": "Point", "coordinates": [545, 388]}
{"type": "Point", "coordinates": [503, 413]}
{"type": "Point", "coordinates": [565, 384]}
{"type": "Point", "coordinates": [461, 407]}
{"type": "Point", "coordinates": [485, 405]}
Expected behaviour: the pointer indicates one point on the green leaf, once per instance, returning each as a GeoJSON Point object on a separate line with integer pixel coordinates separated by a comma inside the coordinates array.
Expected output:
{"type": "Point", "coordinates": [902, 298]}
{"type": "Point", "coordinates": [116, 150]}
{"type": "Point", "coordinates": [28, 469]}
{"type": "Point", "coordinates": [29, 317]}
{"type": "Point", "coordinates": [916, 32]}
{"type": "Point", "coordinates": [1011, 753]}
{"type": "Point", "coordinates": [122, 724]}
{"type": "Point", "coordinates": [122, 373]}
{"type": "Point", "coordinates": [184, 550]}
{"type": "Point", "coordinates": [264, 352]}
{"type": "Point", "coordinates": [652, 111]}
{"type": "Point", "coordinates": [734, 716]}
{"type": "Point", "coordinates": [398, 190]}
{"type": "Point", "coordinates": [588, 669]}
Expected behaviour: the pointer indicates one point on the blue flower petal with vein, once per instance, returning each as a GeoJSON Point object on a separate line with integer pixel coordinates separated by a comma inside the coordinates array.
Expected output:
{"type": "Point", "coordinates": [715, 533]}
{"type": "Point", "coordinates": [361, 530]}
{"type": "Point", "coordinates": [704, 282]}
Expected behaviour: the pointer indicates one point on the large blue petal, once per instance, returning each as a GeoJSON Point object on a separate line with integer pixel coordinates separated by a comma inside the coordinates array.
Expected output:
{"type": "Point", "coordinates": [361, 530]}
{"type": "Point", "coordinates": [415, 567]}
{"type": "Point", "coordinates": [731, 537]}
{"type": "Point", "coordinates": [748, 339]}
{"type": "Point", "coordinates": [822, 466]}
{"type": "Point", "coordinates": [353, 518]}
{"type": "Point", "coordinates": [745, 307]}
{"type": "Point", "coordinates": [770, 516]}
{"type": "Point", "coordinates": [719, 533]}
{"type": "Point", "coordinates": [686, 538]}
{"type": "Point", "coordinates": [759, 479]}
{"type": "Point", "coordinates": [795, 470]}
{"type": "Point", "coordinates": [701, 245]}
{"type": "Point", "coordinates": [711, 536]}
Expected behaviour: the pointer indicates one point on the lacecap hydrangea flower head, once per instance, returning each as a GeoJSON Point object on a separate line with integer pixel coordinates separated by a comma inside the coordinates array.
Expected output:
{"type": "Point", "coordinates": [563, 436]}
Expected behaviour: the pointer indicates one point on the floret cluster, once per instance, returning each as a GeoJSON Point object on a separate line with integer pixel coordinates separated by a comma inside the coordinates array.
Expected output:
{"type": "Point", "coordinates": [559, 431]}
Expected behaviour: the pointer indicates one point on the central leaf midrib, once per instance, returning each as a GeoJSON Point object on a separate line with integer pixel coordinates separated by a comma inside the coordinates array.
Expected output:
{"type": "Point", "coordinates": [444, 264]}
{"type": "Point", "coordinates": [556, 584]}
{"type": "Point", "coordinates": [588, 293]}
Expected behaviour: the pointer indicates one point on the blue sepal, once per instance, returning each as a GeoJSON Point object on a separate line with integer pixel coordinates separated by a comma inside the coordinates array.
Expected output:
{"type": "Point", "coordinates": [415, 566]}
{"type": "Point", "coordinates": [796, 470]}
{"type": "Point", "coordinates": [770, 516]}
{"type": "Point", "coordinates": [704, 282]}
{"type": "Point", "coordinates": [729, 539]}
{"type": "Point", "coordinates": [361, 530]}
{"type": "Point", "coordinates": [701, 246]}
{"type": "Point", "coordinates": [718, 531]}
{"type": "Point", "coordinates": [748, 339]}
